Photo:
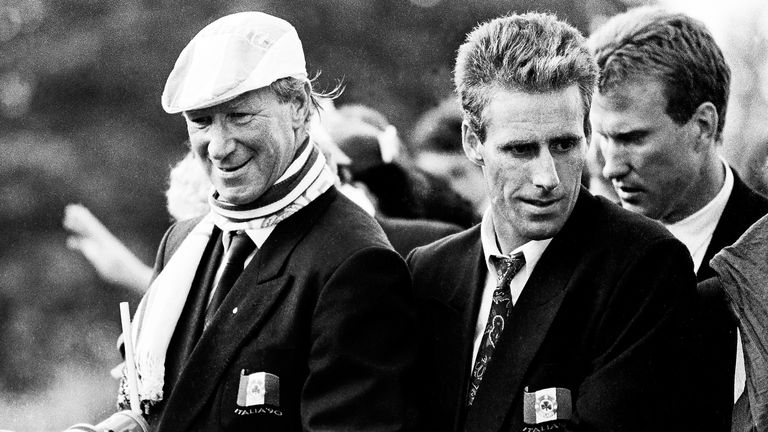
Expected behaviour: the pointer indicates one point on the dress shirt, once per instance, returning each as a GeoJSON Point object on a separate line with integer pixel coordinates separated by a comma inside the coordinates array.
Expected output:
{"type": "Point", "coordinates": [532, 252]}
{"type": "Point", "coordinates": [696, 230]}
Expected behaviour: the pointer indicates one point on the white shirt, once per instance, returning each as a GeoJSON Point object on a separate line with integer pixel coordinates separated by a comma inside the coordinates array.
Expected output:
{"type": "Point", "coordinates": [532, 252]}
{"type": "Point", "coordinates": [695, 232]}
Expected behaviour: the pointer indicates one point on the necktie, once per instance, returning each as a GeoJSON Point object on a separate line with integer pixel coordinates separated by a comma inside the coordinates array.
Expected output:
{"type": "Point", "coordinates": [501, 306]}
{"type": "Point", "coordinates": [240, 247]}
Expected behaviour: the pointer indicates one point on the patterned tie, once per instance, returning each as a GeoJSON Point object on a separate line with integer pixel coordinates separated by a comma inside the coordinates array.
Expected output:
{"type": "Point", "coordinates": [501, 306]}
{"type": "Point", "coordinates": [240, 247]}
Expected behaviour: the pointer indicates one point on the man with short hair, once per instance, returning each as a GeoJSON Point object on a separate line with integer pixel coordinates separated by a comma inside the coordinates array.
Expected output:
{"type": "Point", "coordinates": [560, 311]}
{"type": "Point", "coordinates": [285, 308]}
{"type": "Point", "coordinates": [658, 119]}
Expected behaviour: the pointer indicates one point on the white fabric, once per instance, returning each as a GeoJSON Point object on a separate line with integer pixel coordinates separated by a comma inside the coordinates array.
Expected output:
{"type": "Point", "coordinates": [233, 55]}
{"type": "Point", "coordinates": [532, 252]}
{"type": "Point", "coordinates": [161, 308]}
{"type": "Point", "coordinates": [389, 144]}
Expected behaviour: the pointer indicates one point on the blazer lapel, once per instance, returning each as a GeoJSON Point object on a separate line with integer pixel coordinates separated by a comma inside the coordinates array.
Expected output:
{"type": "Point", "coordinates": [531, 319]}
{"type": "Point", "coordinates": [455, 337]}
{"type": "Point", "coordinates": [242, 313]}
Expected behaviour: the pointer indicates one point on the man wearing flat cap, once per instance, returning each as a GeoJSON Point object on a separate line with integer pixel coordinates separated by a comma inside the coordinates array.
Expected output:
{"type": "Point", "coordinates": [285, 308]}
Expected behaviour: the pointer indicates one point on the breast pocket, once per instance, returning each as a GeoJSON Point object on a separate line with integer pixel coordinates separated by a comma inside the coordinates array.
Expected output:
{"type": "Point", "coordinates": [261, 390]}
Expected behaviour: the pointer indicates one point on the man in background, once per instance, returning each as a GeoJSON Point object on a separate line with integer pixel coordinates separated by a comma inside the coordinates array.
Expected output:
{"type": "Point", "coordinates": [560, 311]}
{"type": "Point", "coordinates": [658, 119]}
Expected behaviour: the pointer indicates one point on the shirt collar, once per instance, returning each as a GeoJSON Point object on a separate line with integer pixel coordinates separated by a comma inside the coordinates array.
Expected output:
{"type": "Point", "coordinates": [258, 236]}
{"type": "Point", "coordinates": [532, 250]}
{"type": "Point", "coordinates": [700, 225]}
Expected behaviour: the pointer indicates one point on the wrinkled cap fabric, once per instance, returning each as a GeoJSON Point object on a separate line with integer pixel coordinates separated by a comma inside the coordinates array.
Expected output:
{"type": "Point", "coordinates": [233, 55]}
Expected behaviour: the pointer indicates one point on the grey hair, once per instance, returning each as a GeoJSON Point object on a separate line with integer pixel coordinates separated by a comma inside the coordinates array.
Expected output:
{"type": "Point", "coordinates": [290, 88]}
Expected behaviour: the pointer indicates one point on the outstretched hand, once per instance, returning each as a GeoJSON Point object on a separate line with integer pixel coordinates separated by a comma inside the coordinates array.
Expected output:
{"type": "Point", "coordinates": [112, 260]}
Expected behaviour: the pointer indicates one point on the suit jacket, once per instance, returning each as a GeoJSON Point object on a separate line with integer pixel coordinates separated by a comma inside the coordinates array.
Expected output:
{"type": "Point", "coordinates": [716, 325]}
{"type": "Point", "coordinates": [407, 234]}
{"type": "Point", "coordinates": [605, 314]}
{"type": "Point", "coordinates": [324, 306]}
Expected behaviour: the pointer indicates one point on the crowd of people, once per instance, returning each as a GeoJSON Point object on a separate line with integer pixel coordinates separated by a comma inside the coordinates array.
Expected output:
{"type": "Point", "coordinates": [559, 247]}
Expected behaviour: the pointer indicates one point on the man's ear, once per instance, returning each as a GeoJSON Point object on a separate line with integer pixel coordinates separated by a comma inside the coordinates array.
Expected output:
{"type": "Point", "coordinates": [300, 109]}
{"type": "Point", "coordinates": [705, 121]}
{"type": "Point", "coordinates": [473, 148]}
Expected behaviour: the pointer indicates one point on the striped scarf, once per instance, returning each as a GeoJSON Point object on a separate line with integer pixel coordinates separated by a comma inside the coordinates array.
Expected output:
{"type": "Point", "coordinates": [306, 178]}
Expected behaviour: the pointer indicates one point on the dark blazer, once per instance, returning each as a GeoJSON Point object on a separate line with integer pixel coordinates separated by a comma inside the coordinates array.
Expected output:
{"type": "Point", "coordinates": [407, 234]}
{"type": "Point", "coordinates": [606, 314]}
{"type": "Point", "coordinates": [325, 306]}
{"type": "Point", "coordinates": [716, 325]}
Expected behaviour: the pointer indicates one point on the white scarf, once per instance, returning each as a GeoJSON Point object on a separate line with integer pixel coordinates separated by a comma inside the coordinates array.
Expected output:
{"type": "Point", "coordinates": [308, 177]}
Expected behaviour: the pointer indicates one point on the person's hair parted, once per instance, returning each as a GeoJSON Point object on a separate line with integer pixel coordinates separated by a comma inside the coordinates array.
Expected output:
{"type": "Point", "coordinates": [532, 52]}
{"type": "Point", "coordinates": [677, 50]}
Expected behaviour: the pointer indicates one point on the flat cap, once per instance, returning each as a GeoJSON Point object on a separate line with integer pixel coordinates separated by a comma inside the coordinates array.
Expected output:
{"type": "Point", "coordinates": [233, 55]}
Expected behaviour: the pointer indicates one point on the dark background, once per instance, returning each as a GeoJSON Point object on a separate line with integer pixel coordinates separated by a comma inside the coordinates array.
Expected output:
{"type": "Point", "coordinates": [81, 122]}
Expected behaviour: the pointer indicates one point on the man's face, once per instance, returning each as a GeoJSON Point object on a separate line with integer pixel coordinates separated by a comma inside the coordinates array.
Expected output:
{"type": "Point", "coordinates": [245, 144]}
{"type": "Point", "coordinates": [465, 177]}
{"type": "Point", "coordinates": [532, 159]}
{"type": "Point", "coordinates": [650, 159]}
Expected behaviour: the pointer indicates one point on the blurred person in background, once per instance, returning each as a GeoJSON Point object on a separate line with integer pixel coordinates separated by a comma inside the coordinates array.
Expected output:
{"type": "Point", "coordinates": [401, 188]}
{"type": "Point", "coordinates": [284, 308]}
{"type": "Point", "coordinates": [387, 184]}
{"type": "Point", "coordinates": [561, 310]}
{"type": "Point", "coordinates": [436, 143]}
{"type": "Point", "coordinates": [658, 118]}
{"type": "Point", "coordinates": [187, 197]}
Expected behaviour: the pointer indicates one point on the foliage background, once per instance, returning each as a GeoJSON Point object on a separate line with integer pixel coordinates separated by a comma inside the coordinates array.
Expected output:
{"type": "Point", "coordinates": [80, 121]}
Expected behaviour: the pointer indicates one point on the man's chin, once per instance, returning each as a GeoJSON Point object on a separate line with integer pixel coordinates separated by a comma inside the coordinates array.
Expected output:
{"type": "Point", "coordinates": [639, 208]}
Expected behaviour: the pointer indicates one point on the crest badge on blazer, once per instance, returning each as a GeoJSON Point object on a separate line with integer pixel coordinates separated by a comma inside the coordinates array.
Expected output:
{"type": "Point", "coordinates": [258, 388]}
{"type": "Point", "coordinates": [546, 405]}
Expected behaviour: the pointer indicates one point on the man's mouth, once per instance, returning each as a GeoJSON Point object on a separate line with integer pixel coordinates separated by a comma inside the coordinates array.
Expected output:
{"type": "Point", "coordinates": [232, 168]}
{"type": "Point", "coordinates": [541, 203]}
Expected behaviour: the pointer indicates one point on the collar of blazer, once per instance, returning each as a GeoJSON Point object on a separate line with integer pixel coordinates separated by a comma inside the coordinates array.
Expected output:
{"type": "Point", "coordinates": [744, 207]}
{"type": "Point", "coordinates": [531, 319]}
{"type": "Point", "coordinates": [205, 365]}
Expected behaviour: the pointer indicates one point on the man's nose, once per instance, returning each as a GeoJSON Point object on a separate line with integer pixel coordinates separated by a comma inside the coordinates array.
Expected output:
{"type": "Point", "coordinates": [220, 142]}
{"type": "Point", "coordinates": [545, 172]}
{"type": "Point", "coordinates": [615, 156]}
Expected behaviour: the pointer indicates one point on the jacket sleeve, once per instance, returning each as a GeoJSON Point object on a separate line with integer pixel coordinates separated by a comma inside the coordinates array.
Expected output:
{"type": "Point", "coordinates": [639, 378]}
{"type": "Point", "coordinates": [362, 350]}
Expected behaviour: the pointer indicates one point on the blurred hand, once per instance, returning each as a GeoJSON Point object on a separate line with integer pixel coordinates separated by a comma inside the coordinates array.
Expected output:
{"type": "Point", "coordinates": [112, 260]}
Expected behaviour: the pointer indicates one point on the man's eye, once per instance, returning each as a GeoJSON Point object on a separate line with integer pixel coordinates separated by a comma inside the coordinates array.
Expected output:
{"type": "Point", "coordinates": [521, 149]}
{"type": "Point", "coordinates": [564, 146]}
{"type": "Point", "coordinates": [240, 118]}
{"type": "Point", "coordinates": [200, 122]}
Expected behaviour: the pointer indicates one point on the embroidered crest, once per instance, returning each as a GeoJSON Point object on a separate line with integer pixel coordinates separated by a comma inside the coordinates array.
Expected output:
{"type": "Point", "coordinates": [546, 405]}
{"type": "Point", "coordinates": [258, 388]}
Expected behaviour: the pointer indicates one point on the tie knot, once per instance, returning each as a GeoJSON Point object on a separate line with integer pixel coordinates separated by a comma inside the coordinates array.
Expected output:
{"type": "Point", "coordinates": [240, 246]}
{"type": "Point", "coordinates": [507, 266]}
